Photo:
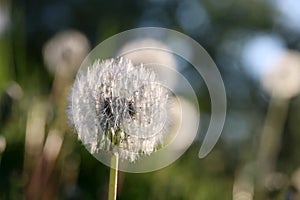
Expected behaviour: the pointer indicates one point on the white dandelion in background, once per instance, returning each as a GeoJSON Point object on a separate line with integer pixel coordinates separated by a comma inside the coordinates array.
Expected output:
{"type": "Point", "coordinates": [152, 53]}
{"type": "Point", "coordinates": [120, 108]}
{"type": "Point", "coordinates": [65, 51]}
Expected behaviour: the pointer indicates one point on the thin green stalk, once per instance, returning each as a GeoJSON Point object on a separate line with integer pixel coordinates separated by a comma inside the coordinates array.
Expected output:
{"type": "Point", "coordinates": [113, 178]}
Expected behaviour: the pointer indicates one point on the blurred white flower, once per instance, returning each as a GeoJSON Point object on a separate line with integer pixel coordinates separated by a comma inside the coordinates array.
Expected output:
{"type": "Point", "coordinates": [283, 79]}
{"type": "Point", "coordinates": [119, 107]}
{"type": "Point", "coordinates": [4, 18]}
{"type": "Point", "coordinates": [151, 52]}
{"type": "Point", "coordinates": [64, 53]}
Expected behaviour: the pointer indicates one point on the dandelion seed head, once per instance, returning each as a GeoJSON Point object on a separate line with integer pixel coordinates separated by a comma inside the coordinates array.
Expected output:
{"type": "Point", "coordinates": [150, 51]}
{"type": "Point", "coordinates": [120, 108]}
{"type": "Point", "coordinates": [65, 51]}
{"type": "Point", "coordinates": [282, 80]}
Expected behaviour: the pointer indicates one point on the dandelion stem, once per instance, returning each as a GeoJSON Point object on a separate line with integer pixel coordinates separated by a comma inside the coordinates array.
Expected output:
{"type": "Point", "coordinates": [113, 178]}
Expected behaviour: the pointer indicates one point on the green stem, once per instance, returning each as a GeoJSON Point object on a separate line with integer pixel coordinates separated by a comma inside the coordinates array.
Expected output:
{"type": "Point", "coordinates": [113, 178]}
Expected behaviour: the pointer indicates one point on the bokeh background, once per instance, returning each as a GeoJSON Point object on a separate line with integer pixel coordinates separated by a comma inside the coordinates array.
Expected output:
{"type": "Point", "coordinates": [255, 45]}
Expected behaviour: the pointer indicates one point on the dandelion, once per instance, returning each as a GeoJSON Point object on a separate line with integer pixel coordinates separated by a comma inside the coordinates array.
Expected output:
{"type": "Point", "coordinates": [152, 52]}
{"type": "Point", "coordinates": [282, 82]}
{"type": "Point", "coordinates": [119, 107]}
{"type": "Point", "coordinates": [62, 55]}
{"type": "Point", "coordinates": [283, 79]}
{"type": "Point", "coordinates": [65, 51]}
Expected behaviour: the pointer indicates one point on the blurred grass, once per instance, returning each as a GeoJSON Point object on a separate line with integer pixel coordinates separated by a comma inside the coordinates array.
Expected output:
{"type": "Point", "coordinates": [5, 58]}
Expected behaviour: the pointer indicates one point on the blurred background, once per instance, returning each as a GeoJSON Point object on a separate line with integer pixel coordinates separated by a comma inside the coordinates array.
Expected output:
{"type": "Point", "coordinates": [255, 45]}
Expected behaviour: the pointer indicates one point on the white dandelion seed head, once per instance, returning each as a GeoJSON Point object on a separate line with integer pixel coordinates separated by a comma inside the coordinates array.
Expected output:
{"type": "Point", "coordinates": [150, 51]}
{"type": "Point", "coordinates": [119, 107]}
{"type": "Point", "coordinates": [282, 80]}
{"type": "Point", "coordinates": [65, 51]}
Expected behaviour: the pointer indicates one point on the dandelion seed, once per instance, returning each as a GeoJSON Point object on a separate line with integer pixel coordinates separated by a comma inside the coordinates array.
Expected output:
{"type": "Point", "coordinates": [119, 108]}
